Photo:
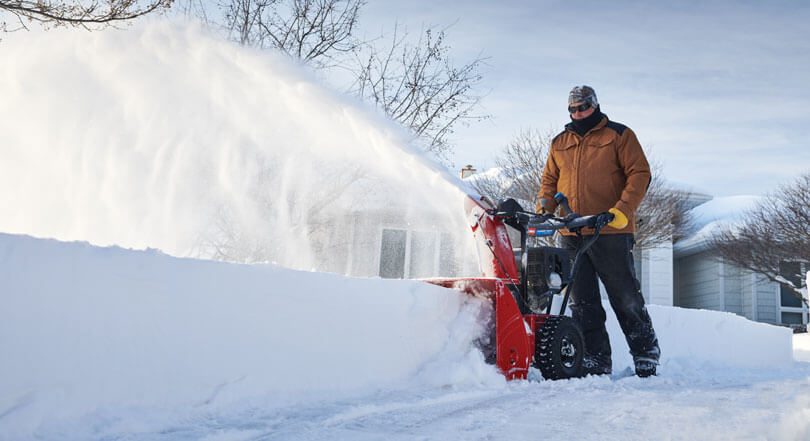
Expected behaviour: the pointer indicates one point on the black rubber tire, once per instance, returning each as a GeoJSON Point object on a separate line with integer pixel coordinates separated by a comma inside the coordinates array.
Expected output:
{"type": "Point", "coordinates": [559, 348]}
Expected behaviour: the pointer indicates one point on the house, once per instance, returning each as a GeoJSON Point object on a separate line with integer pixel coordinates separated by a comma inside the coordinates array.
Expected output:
{"type": "Point", "coordinates": [705, 282]}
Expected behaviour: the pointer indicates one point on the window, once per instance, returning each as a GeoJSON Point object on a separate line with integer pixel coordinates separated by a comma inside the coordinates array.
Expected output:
{"type": "Point", "coordinates": [789, 299]}
{"type": "Point", "coordinates": [792, 318]}
{"type": "Point", "coordinates": [408, 254]}
{"type": "Point", "coordinates": [791, 271]}
{"type": "Point", "coordinates": [392, 254]}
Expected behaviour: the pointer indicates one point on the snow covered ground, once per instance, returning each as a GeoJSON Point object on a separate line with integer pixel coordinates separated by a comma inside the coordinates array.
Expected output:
{"type": "Point", "coordinates": [108, 343]}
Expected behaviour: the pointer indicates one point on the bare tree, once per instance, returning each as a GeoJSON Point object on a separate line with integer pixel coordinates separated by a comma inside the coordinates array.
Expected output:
{"type": "Point", "coordinates": [313, 31]}
{"type": "Point", "coordinates": [415, 84]}
{"type": "Point", "coordinates": [520, 169]}
{"type": "Point", "coordinates": [774, 232]}
{"type": "Point", "coordinates": [663, 215]}
{"type": "Point", "coordinates": [419, 86]}
{"type": "Point", "coordinates": [77, 12]}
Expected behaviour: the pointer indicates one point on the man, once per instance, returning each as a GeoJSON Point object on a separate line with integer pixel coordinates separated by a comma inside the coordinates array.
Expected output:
{"type": "Point", "coordinates": [600, 166]}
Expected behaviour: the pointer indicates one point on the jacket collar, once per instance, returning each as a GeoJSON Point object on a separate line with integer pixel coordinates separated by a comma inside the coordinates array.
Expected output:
{"type": "Point", "coordinates": [570, 126]}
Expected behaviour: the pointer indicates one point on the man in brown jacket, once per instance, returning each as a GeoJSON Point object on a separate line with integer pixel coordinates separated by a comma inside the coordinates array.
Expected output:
{"type": "Point", "coordinates": [600, 167]}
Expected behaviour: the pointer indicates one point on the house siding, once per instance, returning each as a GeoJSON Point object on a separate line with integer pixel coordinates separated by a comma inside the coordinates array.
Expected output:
{"type": "Point", "coordinates": [705, 283]}
{"type": "Point", "coordinates": [733, 289]}
{"type": "Point", "coordinates": [747, 284]}
{"type": "Point", "coordinates": [767, 300]}
{"type": "Point", "coordinates": [699, 282]}
{"type": "Point", "coordinates": [657, 275]}
{"type": "Point", "coordinates": [368, 240]}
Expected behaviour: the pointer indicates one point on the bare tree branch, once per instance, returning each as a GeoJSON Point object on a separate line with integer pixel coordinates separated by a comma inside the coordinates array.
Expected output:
{"type": "Point", "coordinates": [772, 233]}
{"type": "Point", "coordinates": [313, 31]}
{"type": "Point", "coordinates": [415, 84]}
{"type": "Point", "coordinates": [419, 86]}
{"type": "Point", "coordinates": [77, 12]}
{"type": "Point", "coordinates": [663, 215]}
{"type": "Point", "coordinates": [521, 164]}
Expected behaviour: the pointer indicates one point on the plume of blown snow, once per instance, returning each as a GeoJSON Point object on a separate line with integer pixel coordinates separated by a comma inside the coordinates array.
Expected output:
{"type": "Point", "coordinates": [166, 137]}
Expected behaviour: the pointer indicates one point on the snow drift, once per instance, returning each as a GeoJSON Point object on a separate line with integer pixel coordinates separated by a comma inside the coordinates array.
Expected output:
{"type": "Point", "coordinates": [85, 328]}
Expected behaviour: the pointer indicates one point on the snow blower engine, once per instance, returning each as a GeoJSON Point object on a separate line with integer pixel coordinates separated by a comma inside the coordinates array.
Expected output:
{"type": "Point", "coordinates": [526, 283]}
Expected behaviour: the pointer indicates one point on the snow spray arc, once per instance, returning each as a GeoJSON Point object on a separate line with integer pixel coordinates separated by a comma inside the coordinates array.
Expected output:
{"type": "Point", "coordinates": [164, 137]}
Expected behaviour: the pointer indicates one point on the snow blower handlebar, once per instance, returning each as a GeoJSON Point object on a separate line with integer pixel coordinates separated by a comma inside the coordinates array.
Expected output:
{"type": "Point", "coordinates": [545, 224]}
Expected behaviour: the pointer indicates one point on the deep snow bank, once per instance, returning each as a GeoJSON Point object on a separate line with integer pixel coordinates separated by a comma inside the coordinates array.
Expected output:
{"type": "Point", "coordinates": [801, 346]}
{"type": "Point", "coordinates": [693, 338]}
{"type": "Point", "coordinates": [84, 327]}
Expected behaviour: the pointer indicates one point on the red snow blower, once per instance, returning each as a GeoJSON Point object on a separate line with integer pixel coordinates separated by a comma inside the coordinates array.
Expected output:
{"type": "Point", "coordinates": [521, 280]}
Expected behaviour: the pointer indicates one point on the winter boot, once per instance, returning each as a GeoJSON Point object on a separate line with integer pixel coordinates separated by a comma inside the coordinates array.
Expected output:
{"type": "Point", "coordinates": [645, 367]}
{"type": "Point", "coordinates": [596, 364]}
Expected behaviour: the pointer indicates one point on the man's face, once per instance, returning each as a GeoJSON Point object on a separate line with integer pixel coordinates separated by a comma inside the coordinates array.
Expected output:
{"type": "Point", "coordinates": [580, 114]}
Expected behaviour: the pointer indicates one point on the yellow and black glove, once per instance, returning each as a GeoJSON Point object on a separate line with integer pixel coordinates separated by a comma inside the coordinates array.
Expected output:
{"type": "Point", "coordinates": [619, 219]}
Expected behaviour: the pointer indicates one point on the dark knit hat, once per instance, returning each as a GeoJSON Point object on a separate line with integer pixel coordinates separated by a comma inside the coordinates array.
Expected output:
{"type": "Point", "coordinates": [583, 94]}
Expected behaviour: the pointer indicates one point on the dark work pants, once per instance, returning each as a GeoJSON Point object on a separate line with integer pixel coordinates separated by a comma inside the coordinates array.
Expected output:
{"type": "Point", "coordinates": [611, 259]}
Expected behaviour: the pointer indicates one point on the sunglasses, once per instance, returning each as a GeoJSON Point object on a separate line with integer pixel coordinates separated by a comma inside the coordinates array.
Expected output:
{"type": "Point", "coordinates": [579, 108]}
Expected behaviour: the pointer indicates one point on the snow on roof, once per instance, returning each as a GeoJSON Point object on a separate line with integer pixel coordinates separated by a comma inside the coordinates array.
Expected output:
{"type": "Point", "coordinates": [689, 188]}
{"type": "Point", "coordinates": [490, 173]}
{"type": "Point", "coordinates": [711, 216]}
{"type": "Point", "coordinates": [728, 208]}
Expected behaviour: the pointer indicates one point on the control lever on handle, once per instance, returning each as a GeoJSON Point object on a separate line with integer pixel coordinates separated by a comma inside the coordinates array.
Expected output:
{"type": "Point", "coordinates": [603, 219]}
{"type": "Point", "coordinates": [563, 202]}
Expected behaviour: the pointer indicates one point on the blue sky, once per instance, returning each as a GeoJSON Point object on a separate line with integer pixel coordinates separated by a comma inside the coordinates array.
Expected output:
{"type": "Point", "coordinates": [716, 91]}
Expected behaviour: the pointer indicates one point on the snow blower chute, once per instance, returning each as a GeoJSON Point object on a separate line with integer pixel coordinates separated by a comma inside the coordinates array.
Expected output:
{"type": "Point", "coordinates": [522, 282]}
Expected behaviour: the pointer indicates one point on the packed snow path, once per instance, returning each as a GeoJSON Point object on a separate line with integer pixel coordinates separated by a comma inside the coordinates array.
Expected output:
{"type": "Point", "coordinates": [107, 343]}
{"type": "Point", "coordinates": [697, 405]}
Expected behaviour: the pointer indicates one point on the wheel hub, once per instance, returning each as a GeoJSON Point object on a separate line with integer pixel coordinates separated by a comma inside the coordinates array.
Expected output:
{"type": "Point", "coordinates": [568, 353]}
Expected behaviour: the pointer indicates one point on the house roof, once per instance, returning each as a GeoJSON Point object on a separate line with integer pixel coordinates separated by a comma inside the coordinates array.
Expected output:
{"type": "Point", "coordinates": [490, 173]}
{"type": "Point", "coordinates": [698, 192]}
{"type": "Point", "coordinates": [711, 216]}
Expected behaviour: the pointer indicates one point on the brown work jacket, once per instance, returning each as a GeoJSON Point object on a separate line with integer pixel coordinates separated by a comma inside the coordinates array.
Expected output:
{"type": "Point", "coordinates": [606, 168]}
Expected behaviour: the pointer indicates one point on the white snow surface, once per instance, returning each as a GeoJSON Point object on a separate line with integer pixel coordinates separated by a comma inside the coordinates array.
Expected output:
{"type": "Point", "coordinates": [109, 343]}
